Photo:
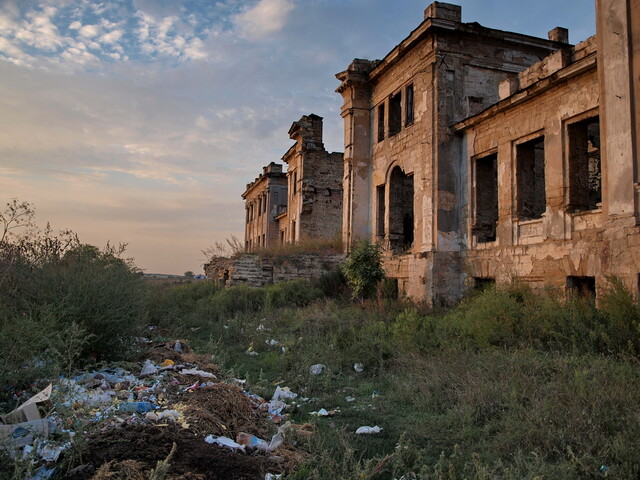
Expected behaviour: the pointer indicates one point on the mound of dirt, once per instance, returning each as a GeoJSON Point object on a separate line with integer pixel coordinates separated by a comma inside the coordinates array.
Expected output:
{"type": "Point", "coordinates": [145, 445]}
{"type": "Point", "coordinates": [223, 409]}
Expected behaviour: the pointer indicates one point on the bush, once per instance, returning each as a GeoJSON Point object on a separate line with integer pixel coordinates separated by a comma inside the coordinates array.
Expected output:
{"type": "Point", "coordinates": [332, 284]}
{"type": "Point", "coordinates": [62, 301]}
{"type": "Point", "coordinates": [297, 293]}
{"type": "Point", "coordinates": [228, 302]}
{"type": "Point", "coordinates": [363, 269]}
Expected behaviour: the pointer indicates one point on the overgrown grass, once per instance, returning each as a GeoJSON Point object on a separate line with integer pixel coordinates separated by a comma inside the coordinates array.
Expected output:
{"type": "Point", "coordinates": [319, 246]}
{"type": "Point", "coordinates": [511, 384]}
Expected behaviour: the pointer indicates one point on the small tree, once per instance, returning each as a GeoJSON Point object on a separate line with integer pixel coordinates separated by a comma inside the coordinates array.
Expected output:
{"type": "Point", "coordinates": [363, 269]}
{"type": "Point", "coordinates": [188, 274]}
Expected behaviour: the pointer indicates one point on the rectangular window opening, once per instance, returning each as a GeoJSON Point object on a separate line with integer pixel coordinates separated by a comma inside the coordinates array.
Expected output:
{"type": "Point", "coordinates": [581, 287]}
{"type": "Point", "coordinates": [395, 114]}
{"type": "Point", "coordinates": [531, 193]}
{"type": "Point", "coordinates": [409, 108]}
{"type": "Point", "coordinates": [381, 122]}
{"type": "Point", "coordinates": [480, 284]}
{"type": "Point", "coordinates": [585, 174]}
{"type": "Point", "coordinates": [486, 198]}
{"type": "Point", "coordinates": [381, 210]}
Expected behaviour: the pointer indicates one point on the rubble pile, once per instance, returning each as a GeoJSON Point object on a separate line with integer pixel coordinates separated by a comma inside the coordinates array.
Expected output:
{"type": "Point", "coordinates": [179, 413]}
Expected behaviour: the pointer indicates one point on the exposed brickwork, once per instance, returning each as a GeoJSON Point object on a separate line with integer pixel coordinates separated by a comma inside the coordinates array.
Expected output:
{"type": "Point", "coordinates": [258, 271]}
{"type": "Point", "coordinates": [315, 185]}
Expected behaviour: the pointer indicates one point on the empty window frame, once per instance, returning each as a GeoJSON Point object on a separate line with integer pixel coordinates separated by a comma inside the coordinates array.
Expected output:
{"type": "Point", "coordinates": [381, 122]}
{"type": "Point", "coordinates": [294, 187]}
{"type": "Point", "coordinates": [401, 210]}
{"type": "Point", "coordinates": [380, 190]}
{"type": "Point", "coordinates": [481, 284]}
{"type": "Point", "coordinates": [485, 195]}
{"type": "Point", "coordinates": [408, 120]}
{"type": "Point", "coordinates": [585, 174]}
{"type": "Point", "coordinates": [583, 287]}
{"type": "Point", "coordinates": [531, 193]}
{"type": "Point", "coordinates": [395, 114]}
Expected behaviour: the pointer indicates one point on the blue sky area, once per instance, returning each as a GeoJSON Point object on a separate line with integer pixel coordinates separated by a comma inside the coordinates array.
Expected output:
{"type": "Point", "coordinates": [141, 121]}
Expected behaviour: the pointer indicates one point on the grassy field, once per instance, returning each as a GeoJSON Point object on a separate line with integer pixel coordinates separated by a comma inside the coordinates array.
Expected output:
{"type": "Point", "coordinates": [508, 385]}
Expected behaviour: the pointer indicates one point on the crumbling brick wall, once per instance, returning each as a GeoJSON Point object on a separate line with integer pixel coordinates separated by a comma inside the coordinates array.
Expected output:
{"type": "Point", "coordinates": [257, 271]}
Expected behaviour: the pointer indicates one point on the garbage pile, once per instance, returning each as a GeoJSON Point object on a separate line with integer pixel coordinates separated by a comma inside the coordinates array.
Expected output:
{"type": "Point", "coordinates": [178, 413]}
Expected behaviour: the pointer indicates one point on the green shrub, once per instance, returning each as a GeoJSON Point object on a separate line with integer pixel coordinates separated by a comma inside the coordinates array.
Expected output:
{"type": "Point", "coordinates": [363, 269]}
{"type": "Point", "coordinates": [297, 293]}
{"type": "Point", "coordinates": [332, 284]}
{"type": "Point", "coordinates": [228, 302]}
{"type": "Point", "coordinates": [621, 317]}
{"type": "Point", "coordinates": [63, 302]}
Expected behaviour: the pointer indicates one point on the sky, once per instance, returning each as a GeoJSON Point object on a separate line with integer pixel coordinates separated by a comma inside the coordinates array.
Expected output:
{"type": "Point", "coordinates": [142, 121]}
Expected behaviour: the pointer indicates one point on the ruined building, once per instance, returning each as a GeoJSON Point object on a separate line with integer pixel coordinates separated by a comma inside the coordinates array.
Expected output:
{"type": "Point", "coordinates": [265, 199]}
{"type": "Point", "coordinates": [474, 155]}
{"type": "Point", "coordinates": [303, 203]}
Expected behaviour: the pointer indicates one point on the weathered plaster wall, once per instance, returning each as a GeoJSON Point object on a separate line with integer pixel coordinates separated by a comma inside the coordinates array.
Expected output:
{"type": "Point", "coordinates": [562, 243]}
{"type": "Point", "coordinates": [258, 271]}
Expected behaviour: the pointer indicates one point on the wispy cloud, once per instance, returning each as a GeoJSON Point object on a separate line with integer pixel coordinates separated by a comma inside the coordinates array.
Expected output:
{"type": "Point", "coordinates": [264, 18]}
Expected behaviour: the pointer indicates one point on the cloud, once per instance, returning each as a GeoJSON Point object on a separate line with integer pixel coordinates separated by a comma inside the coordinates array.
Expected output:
{"type": "Point", "coordinates": [111, 37]}
{"type": "Point", "coordinates": [89, 31]}
{"type": "Point", "coordinates": [263, 19]}
{"type": "Point", "coordinates": [37, 30]}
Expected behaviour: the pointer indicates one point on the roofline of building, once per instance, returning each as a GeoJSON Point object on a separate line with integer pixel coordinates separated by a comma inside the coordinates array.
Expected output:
{"type": "Point", "coordinates": [261, 178]}
{"type": "Point", "coordinates": [449, 26]}
{"type": "Point", "coordinates": [574, 69]}
{"type": "Point", "coordinates": [430, 25]}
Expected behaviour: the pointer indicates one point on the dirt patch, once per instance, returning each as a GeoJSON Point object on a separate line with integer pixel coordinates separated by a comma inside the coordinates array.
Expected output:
{"type": "Point", "coordinates": [223, 409]}
{"type": "Point", "coordinates": [193, 458]}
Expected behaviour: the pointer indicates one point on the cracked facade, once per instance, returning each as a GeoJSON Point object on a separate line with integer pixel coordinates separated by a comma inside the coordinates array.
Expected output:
{"type": "Point", "coordinates": [474, 155]}
{"type": "Point", "coordinates": [303, 203]}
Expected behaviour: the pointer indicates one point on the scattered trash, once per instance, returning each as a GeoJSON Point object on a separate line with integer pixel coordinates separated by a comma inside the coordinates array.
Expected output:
{"type": "Point", "coordinates": [375, 394]}
{"type": "Point", "coordinates": [137, 407]}
{"type": "Point", "coordinates": [123, 412]}
{"type": "Point", "coordinates": [323, 412]}
{"type": "Point", "coordinates": [43, 473]}
{"type": "Point", "coordinates": [271, 342]}
{"type": "Point", "coordinates": [178, 347]}
{"type": "Point", "coordinates": [224, 442]}
{"type": "Point", "coordinates": [603, 470]}
{"type": "Point", "coordinates": [283, 393]}
{"type": "Point", "coordinates": [148, 369]}
{"type": "Point", "coordinates": [195, 371]}
{"type": "Point", "coordinates": [350, 399]}
{"type": "Point", "coordinates": [25, 422]}
{"type": "Point", "coordinates": [168, 363]}
{"type": "Point", "coordinates": [251, 441]}
{"type": "Point", "coordinates": [358, 367]}
{"type": "Point", "coordinates": [317, 369]}
{"type": "Point", "coordinates": [262, 328]}
{"type": "Point", "coordinates": [252, 353]}
{"type": "Point", "coordinates": [273, 476]}
{"type": "Point", "coordinates": [170, 415]}
{"type": "Point", "coordinates": [368, 430]}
